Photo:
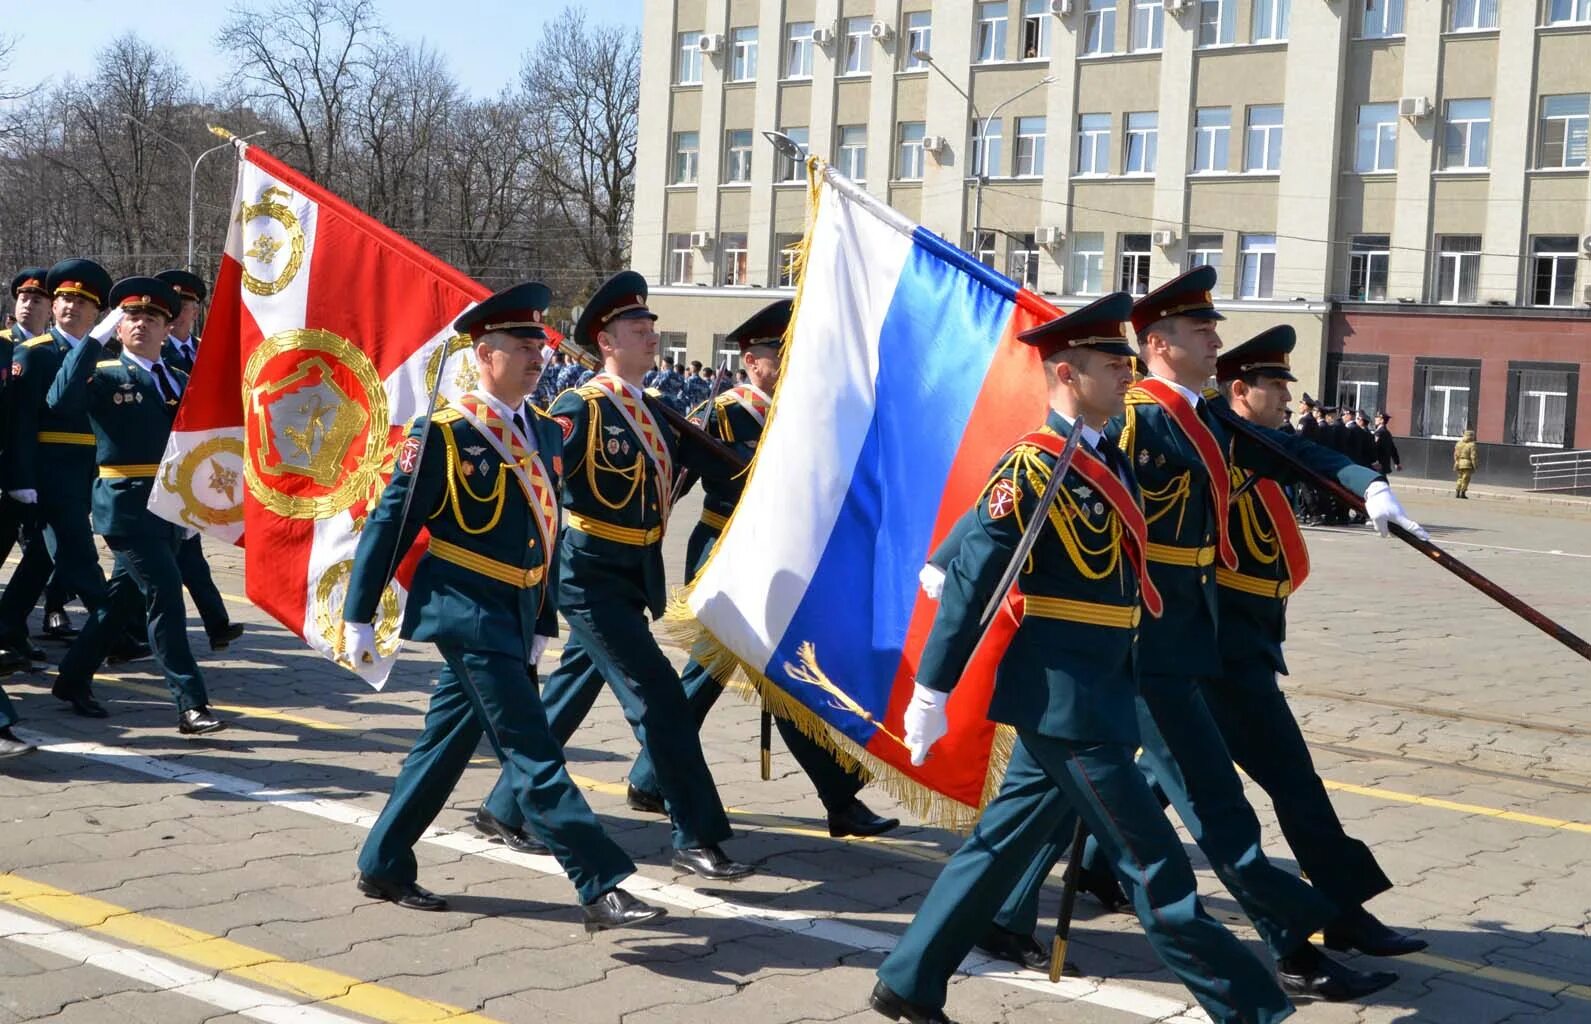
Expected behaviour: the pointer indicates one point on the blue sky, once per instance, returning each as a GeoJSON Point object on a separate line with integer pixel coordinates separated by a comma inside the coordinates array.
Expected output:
{"type": "Point", "coordinates": [482, 41]}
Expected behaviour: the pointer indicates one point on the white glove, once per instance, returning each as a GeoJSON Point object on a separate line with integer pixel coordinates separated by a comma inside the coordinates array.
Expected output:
{"type": "Point", "coordinates": [359, 644]}
{"type": "Point", "coordinates": [27, 496]}
{"type": "Point", "coordinates": [926, 722]}
{"type": "Point", "coordinates": [1382, 506]}
{"type": "Point", "coordinates": [538, 646]}
{"type": "Point", "coordinates": [932, 579]}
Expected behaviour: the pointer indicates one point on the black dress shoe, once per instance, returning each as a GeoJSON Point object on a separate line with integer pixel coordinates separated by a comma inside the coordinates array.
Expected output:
{"type": "Point", "coordinates": [197, 721]}
{"type": "Point", "coordinates": [28, 649]}
{"type": "Point", "coordinates": [641, 800]}
{"type": "Point", "coordinates": [11, 746]}
{"type": "Point", "coordinates": [857, 819]}
{"type": "Point", "coordinates": [14, 661]}
{"type": "Point", "coordinates": [897, 1007]}
{"type": "Point", "coordinates": [618, 909]}
{"type": "Point", "coordinates": [1309, 972]}
{"type": "Point", "coordinates": [222, 638]}
{"type": "Point", "coordinates": [498, 830]}
{"type": "Point", "coordinates": [1359, 929]}
{"type": "Point", "coordinates": [1022, 950]}
{"type": "Point", "coordinates": [129, 650]}
{"type": "Point", "coordinates": [711, 862]}
{"type": "Point", "coordinates": [404, 894]}
{"type": "Point", "coordinates": [82, 704]}
{"type": "Point", "coordinates": [1102, 885]}
{"type": "Point", "coordinates": [58, 625]}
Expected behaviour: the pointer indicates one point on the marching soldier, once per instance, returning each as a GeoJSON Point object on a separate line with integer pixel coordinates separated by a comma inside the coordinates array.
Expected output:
{"type": "Point", "coordinates": [1248, 706]}
{"type": "Point", "coordinates": [50, 457]}
{"type": "Point", "coordinates": [736, 418]}
{"type": "Point", "coordinates": [1464, 464]}
{"type": "Point", "coordinates": [619, 467]}
{"type": "Point", "coordinates": [1066, 684]}
{"type": "Point", "coordinates": [130, 402]}
{"type": "Point", "coordinates": [180, 350]}
{"type": "Point", "coordinates": [482, 477]}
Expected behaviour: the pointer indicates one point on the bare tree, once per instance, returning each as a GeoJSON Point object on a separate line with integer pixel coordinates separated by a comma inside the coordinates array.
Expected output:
{"type": "Point", "coordinates": [400, 124]}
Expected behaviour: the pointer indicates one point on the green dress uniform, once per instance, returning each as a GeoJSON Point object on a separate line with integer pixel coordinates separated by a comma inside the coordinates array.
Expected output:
{"type": "Point", "coordinates": [130, 409]}
{"type": "Point", "coordinates": [52, 451]}
{"type": "Point", "coordinates": [1184, 502]}
{"type": "Point", "coordinates": [616, 491]}
{"type": "Point", "coordinates": [11, 523]}
{"type": "Point", "coordinates": [1066, 685]}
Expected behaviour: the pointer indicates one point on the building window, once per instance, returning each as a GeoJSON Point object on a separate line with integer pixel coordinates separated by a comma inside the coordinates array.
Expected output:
{"type": "Point", "coordinates": [853, 151]}
{"type": "Point", "coordinates": [858, 47]}
{"type": "Point", "coordinates": [1029, 147]}
{"type": "Point", "coordinates": [679, 259]}
{"type": "Point", "coordinates": [1369, 257]}
{"type": "Point", "coordinates": [1217, 22]}
{"type": "Point", "coordinates": [1564, 120]}
{"type": "Point", "coordinates": [732, 259]}
{"type": "Point", "coordinates": [990, 43]}
{"type": "Point", "coordinates": [1264, 149]}
{"type": "Point", "coordinates": [1143, 139]}
{"type": "Point", "coordinates": [1148, 25]}
{"type": "Point", "coordinates": [1257, 267]}
{"type": "Point", "coordinates": [743, 54]}
{"type": "Point", "coordinates": [1023, 260]}
{"type": "Point", "coordinates": [909, 151]}
{"type": "Point", "coordinates": [687, 149]}
{"type": "Point", "coordinates": [1444, 399]}
{"type": "Point", "coordinates": [688, 59]}
{"type": "Point", "coordinates": [1569, 12]}
{"type": "Point", "coordinates": [1473, 15]}
{"type": "Point", "coordinates": [672, 345]}
{"type": "Point", "coordinates": [1134, 276]}
{"type": "Point", "coordinates": [1035, 29]}
{"type": "Point", "coordinates": [1093, 144]}
{"type": "Point", "coordinates": [798, 49]}
{"type": "Point", "coordinates": [1099, 27]}
{"type": "Point", "coordinates": [1212, 133]}
{"type": "Point", "coordinates": [786, 248]}
{"type": "Point", "coordinates": [1458, 264]}
{"type": "Point", "coordinates": [1466, 136]}
{"type": "Point", "coordinates": [986, 148]}
{"type": "Point", "coordinates": [1087, 273]}
{"type": "Point", "coordinates": [981, 245]}
{"type": "Point", "coordinates": [1360, 384]}
{"type": "Point", "coordinates": [1380, 19]}
{"type": "Point", "coordinates": [919, 39]}
{"type": "Point", "coordinates": [790, 169]}
{"type": "Point", "coordinates": [1552, 266]}
{"type": "Point", "coordinates": [1270, 20]}
{"type": "Point", "coordinates": [1204, 251]}
{"type": "Point", "coordinates": [1538, 398]}
{"type": "Point", "coordinates": [1376, 145]}
{"type": "Point", "coordinates": [737, 155]}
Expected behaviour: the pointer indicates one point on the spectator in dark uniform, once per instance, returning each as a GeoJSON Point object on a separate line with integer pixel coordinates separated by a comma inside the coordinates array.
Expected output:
{"type": "Point", "coordinates": [1386, 446]}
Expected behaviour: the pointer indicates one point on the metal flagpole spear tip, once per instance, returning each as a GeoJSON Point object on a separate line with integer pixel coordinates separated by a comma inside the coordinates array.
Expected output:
{"type": "Point", "coordinates": [787, 147]}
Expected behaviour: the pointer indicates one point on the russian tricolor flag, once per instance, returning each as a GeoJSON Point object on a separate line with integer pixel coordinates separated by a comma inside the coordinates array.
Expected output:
{"type": "Point", "coordinates": [903, 384]}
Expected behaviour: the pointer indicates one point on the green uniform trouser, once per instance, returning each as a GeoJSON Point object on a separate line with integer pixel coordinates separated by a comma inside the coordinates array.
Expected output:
{"type": "Point", "coordinates": [1463, 481]}
{"type": "Point", "coordinates": [492, 692]}
{"type": "Point", "coordinates": [201, 586]}
{"type": "Point", "coordinates": [1047, 779]}
{"type": "Point", "coordinates": [8, 711]}
{"type": "Point", "coordinates": [61, 540]}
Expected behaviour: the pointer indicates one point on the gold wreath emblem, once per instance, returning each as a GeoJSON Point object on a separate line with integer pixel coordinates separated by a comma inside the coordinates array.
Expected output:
{"type": "Point", "coordinates": [467, 376]}
{"type": "Point", "coordinates": [215, 456]}
{"type": "Point", "coordinates": [266, 248]}
{"type": "Point", "coordinates": [302, 426]}
{"type": "Point", "coordinates": [331, 590]}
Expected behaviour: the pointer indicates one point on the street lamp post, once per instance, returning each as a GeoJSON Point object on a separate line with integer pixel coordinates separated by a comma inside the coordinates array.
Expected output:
{"type": "Point", "coordinates": [982, 174]}
{"type": "Point", "coordinates": [193, 169]}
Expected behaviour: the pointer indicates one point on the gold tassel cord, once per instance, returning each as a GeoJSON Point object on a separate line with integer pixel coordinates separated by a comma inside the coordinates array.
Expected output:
{"type": "Point", "coordinates": [810, 673]}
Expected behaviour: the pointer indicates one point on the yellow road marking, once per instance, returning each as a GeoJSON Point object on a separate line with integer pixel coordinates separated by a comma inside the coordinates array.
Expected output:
{"type": "Point", "coordinates": [242, 963]}
{"type": "Point", "coordinates": [1463, 808]}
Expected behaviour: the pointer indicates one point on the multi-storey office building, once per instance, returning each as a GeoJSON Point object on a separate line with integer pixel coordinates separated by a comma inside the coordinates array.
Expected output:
{"type": "Point", "coordinates": [1404, 181]}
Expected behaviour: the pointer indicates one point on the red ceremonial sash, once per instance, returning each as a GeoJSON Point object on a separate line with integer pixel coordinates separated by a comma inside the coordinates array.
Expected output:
{"type": "Point", "coordinates": [640, 418]}
{"type": "Point", "coordinates": [751, 400]}
{"type": "Point", "coordinates": [1104, 480]}
{"type": "Point", "coordinates": [1288, 535]}
{"type": "Point", "coordinates": [1209, 450]}
{"type": "Point", "coordinates": [525, 464]}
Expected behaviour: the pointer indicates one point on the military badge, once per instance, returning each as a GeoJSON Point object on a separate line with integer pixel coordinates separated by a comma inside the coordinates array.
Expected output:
{"type": "Point", "coordinates": [614, 430]}
{"type": "Point", "coordinates": [557, 464]}
{"type": "Point", "coordinates": [1003, 497]}
{"type": "Point", "coordinates": [138, 395]}
{"type": "Point", "coordinates": [409, 454]}
{"type": "Point", "coordinates": [485, 467]}
{"type": "Point", "coordinates": [16, 369]}
{"type": "Point", "coordinates": [613, 446]}
{"type": "Point", "coordinates": [1099, 508]}
{"type": "Point", "coordinates": [1083, 492]}
{"type": "Point", "coordinates": [1160, 460]}
{"type": "Point", "coordinates": [474, 450]}
{"type": "Point", "coordinates": [1143, 457]}
{"type": "Point", "coordinates": [467, 468]}
{"type": "Point", "coordinates": [626, 446]}
{"type": "Point", "coordinates": [565, 424]}
{"type": "Point", "coordinates": [117, 398]}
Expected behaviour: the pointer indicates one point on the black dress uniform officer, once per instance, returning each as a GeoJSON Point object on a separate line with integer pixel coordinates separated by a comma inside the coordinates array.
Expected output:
{"type": "Point", "coordinates": [1066, 684]}
{"type": "Point", "coordinates": [31, 308]}
{"type": "Point", "coordinates": [619, 461]}
{"type": "Point", "coordinates": [180, 349]}
{"type": "Point", "coordinates": [1248, 706]}
{"type": "Point", "coordinates": [50, 458]}
{"type": "Point", "coordinates": [482, 477]}
{"type": "Point", "coordinates": [736, 418]}
{"type": "Point", "coordinates": [1179, 450]}
{"type": "Point", "coordinates": [131, 401]}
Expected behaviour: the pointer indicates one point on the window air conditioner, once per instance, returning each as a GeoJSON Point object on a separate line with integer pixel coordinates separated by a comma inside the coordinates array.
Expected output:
{"type": "Point", "coordinates": [934, 144]}
{"type": "Point", "coordinates": [1585, 245]}
{"type": "Point", "coordinates": [1177, 6]}
{"type": "Point", "coordinates": [700, 239]}
{"type": "Point", "coordinates": [881, 31]}
{"type": "Point", "coordinates": [823, 36]}
{"type": "Point", "coordinates": [1414, 107]}
{"type": "Point", "coordinates": [1061, 8]}
{"type": "Point", "coordinates": [1163, 237]}
{"type": "Point", "coordinates": [1048, 236]}
{"type": "Point", "coordinates": [710, 42]}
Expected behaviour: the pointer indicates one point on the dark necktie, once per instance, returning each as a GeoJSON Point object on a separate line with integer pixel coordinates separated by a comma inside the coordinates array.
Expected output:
{"type": "Point", "coordinates": [187, 352]}
{"type": "Point", "coordinates": [1112, 456]}
{"type": "Point", "coordinates": [519, 425]}
{"type": "Point", "coordinates": [164, 383]}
